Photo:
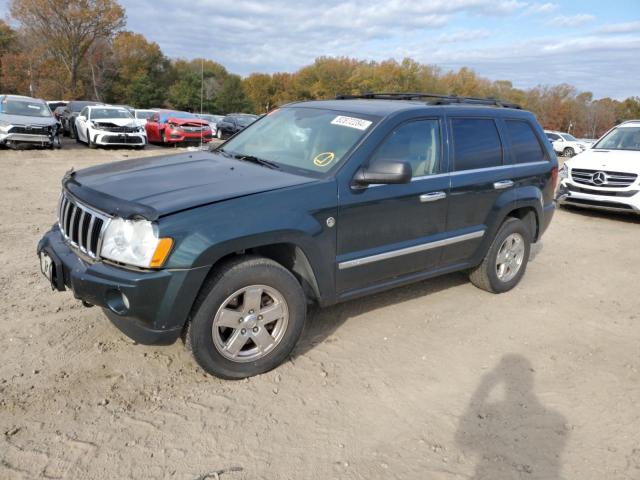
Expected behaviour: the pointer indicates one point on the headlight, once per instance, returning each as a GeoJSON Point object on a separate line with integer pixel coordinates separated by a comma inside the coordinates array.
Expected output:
{"type": "Point", "coordinates": [135, 242]}
{"type": "Point", "coordinates": [564, 171]}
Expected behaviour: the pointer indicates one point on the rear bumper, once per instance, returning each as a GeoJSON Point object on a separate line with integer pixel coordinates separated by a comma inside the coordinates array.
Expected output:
{"type": "Point", "coordinates": [612, 200]}
{"type": "Point", "coordinates": [157, 302]}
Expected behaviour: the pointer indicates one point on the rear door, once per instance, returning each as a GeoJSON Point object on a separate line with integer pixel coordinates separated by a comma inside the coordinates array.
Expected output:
{"type": "Point", "coordinates": [479, 174]}
{"type": "Point", "coordinates": [390, 231]}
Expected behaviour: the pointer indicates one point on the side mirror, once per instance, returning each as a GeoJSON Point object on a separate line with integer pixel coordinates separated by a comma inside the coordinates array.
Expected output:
{"type": "Point", "coordinates": [383, 172]}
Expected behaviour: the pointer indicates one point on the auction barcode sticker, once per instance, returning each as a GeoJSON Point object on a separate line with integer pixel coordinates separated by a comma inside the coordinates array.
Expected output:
{"type": "Point", "coordinates": [351, 122]}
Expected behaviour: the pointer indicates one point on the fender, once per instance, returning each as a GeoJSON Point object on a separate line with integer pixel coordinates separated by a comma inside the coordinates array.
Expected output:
{"type": "Point", "coordinates": [510, 200]}
{"type": "Point", "coordinates": [205, 235]}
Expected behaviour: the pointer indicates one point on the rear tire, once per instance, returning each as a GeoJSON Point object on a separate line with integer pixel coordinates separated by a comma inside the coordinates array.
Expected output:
{"type": "Point", "coordinates": [229, 336]}
{"type": "Point", "coordinates": [506, 260]}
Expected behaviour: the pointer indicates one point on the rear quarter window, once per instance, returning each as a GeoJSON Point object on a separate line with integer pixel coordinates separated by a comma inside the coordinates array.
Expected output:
{"type": "Point", "coordinates": [476, 143]}
{"type": "Point", "coordinates": [525, 145]}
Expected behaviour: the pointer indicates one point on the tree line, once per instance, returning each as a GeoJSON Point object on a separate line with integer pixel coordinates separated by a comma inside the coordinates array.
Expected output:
{"type": "Point", "coordinates": [80, 49]}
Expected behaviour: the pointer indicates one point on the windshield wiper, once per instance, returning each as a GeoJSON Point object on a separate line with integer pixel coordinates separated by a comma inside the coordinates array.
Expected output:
{"type": "Point", "coordinates": [259, 161]}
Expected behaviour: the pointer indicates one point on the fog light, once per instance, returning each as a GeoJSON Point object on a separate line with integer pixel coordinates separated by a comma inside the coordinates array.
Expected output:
{"type": "Point", "coordinates": [117, 302]}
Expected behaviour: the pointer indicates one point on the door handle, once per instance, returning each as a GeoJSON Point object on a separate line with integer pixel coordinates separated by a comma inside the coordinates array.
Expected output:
{"type": "Point", "coordinates": [502, 184]}
{"type": "Point", "coordinates": [432, 196]}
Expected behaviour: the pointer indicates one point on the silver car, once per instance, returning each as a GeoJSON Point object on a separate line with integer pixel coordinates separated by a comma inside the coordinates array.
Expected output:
{"type": "Point", "coordinates": [26, 121]}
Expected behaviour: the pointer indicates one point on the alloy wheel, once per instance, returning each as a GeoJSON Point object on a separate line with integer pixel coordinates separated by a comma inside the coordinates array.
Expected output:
{"type": "Point", "coordinates": [510, 257]}
{"type": "Point", "coordinates": [250, 323]}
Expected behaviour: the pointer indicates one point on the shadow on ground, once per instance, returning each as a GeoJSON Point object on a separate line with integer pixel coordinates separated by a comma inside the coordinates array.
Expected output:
{"type": "Point", "coordinates": [506, 427]}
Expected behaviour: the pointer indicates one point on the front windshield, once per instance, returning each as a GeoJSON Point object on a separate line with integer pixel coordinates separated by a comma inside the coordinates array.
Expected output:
{"type": "Point", "coordinates": [569, 138]}
{"type": "Point", "coordinates": [245, 120]}
{"type": "Point", "coordinates": [621, 138]}
{"type": "Point", "coordinates": [144, 114]}
{"type": "Point", "coordinates": [99, 113]}
{"type": "Point", "coordinates": [309, 139]}
{"type": "Point", "coordinates": [26, 108]}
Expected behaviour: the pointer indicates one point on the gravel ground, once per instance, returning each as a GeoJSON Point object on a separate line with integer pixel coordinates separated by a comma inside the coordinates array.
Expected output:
{"type": "Point", "coordinates": [437, 380]}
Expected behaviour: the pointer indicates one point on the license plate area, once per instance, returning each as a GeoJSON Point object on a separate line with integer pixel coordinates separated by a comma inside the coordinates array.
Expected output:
{"type": "Point", "coordinates": [52, 270]}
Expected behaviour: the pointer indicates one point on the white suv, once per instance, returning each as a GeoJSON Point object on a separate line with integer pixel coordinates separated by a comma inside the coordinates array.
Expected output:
{"type": "Point", "coordinates": [607, 176]}
{"type": "Point", "coordinates": [566, 144]}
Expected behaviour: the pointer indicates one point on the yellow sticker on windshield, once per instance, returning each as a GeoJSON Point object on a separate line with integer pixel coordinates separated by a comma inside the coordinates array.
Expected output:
{"type": "Point", "coordinates": [324, 159]}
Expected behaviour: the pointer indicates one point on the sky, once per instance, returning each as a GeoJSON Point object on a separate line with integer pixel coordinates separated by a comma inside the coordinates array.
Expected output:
{"type": "Point", "coordinates": [590, 44]}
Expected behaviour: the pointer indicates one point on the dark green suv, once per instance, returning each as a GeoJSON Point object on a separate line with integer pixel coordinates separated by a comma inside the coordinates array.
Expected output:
{"type": "Point", "coordinates": [320, 201]}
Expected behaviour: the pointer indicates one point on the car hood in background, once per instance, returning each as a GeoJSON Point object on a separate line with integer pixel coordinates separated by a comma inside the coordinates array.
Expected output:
{"type": "Point", "coordinates": [188, 121]}
{"type": "Point", "coordinates": [119, 122]}
{"type": "Point", "coordinates": [612, 160]}
{"type": "Point", "coordinates": [155, 186]}
{"type": "Point", "coordinates": [25, 120]}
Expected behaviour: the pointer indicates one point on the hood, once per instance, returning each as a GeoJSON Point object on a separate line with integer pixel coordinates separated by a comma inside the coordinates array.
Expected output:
{"type": "Point", "coordinates": [26, 120]}
{"type": "Point", "coordinates": [612, 160]}
{"type": "Point", "coordinates": [155, 186]}
{"type": "Point", "coordinates": [196, 122]}
{"type": "Point", "coordinates": [116, 122]}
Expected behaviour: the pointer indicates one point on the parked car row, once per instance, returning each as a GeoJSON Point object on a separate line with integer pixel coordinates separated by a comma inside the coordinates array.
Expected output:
{"type": "Point", "coordinates": [25, 120]}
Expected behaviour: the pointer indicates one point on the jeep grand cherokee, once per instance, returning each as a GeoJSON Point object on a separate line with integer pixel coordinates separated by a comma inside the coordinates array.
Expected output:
{"type": "Point", "coordinates": [320, 201]}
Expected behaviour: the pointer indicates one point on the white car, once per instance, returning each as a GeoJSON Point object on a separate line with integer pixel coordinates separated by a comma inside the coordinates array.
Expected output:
{"type": "Point", "coordinates": [142, 115]}
{"type": "Point", "coordinates": [607, 176]}
{"type": "Point", "coordinates": [108, 125]}
{"type": "Point", "coordinates": [566, 144]}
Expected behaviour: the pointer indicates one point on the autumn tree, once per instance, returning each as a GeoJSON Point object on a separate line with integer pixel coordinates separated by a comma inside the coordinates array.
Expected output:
{"type": "Point", "coordinates": [141, 71]}
{"type": "Point", "coordinates": [69, 28]}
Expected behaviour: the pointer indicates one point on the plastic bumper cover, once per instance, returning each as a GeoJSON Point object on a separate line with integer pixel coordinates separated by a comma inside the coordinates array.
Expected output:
{"type": "Point", "coordinates": [157, 302]}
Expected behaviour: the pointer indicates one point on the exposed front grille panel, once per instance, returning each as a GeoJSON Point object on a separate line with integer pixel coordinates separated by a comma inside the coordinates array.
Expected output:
{"type": "Point", "coordinates": [109, 127]}
{"type": "Point", "coordinates": [31, 129]}
{"type": "Point", "coordinates": [127, 140]}
{"type": "Point", "coordinates": [603, 178]}
{"type": "Point", "coordinates": [80, 225]}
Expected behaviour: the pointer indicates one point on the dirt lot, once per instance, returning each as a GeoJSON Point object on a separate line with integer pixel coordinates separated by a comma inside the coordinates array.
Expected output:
{"type": "Point", "coordinates": [438, 380]}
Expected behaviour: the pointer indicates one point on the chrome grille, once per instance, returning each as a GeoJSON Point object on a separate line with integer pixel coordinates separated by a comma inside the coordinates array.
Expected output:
{"type": "Point", "coordinates": [80, 225]}
{"type": "Point", "coordinates": [603, 178]}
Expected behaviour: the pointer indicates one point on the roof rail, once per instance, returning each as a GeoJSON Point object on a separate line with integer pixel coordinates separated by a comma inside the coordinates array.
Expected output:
{"type": "Point", "coordinates": [432, 99]}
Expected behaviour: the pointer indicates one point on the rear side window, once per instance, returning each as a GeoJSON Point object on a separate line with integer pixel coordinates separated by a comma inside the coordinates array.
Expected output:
{"type": "Point", "coordinates": [524, 142]}
{"type": "Point", "coordinates": [476, 143]}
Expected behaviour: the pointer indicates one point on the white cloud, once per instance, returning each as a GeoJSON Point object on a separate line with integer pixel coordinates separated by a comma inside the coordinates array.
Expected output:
{"type": "Point", "coordinates": [541, 8]}
{"type": "Point", "coordinates": [463, 36]}
{"type": "Point", "coordinates": [568, 21]}
{"type": "Point", "coordinates": [625, 27]}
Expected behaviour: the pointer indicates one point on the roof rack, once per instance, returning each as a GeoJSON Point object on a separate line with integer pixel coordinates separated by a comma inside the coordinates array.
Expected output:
{"type": "Point", "coordinates": [435, 99]}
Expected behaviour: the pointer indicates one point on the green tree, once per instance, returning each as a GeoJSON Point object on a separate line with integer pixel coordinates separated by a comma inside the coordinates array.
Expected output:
{"type": "Point", "coordinates": [69, 28]}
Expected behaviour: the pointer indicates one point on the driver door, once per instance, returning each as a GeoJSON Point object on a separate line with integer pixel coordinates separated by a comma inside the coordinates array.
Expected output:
{"type": "Point", "coordinates": [151, 127]}
{"type": "Point", "coordinates": [390, 231]}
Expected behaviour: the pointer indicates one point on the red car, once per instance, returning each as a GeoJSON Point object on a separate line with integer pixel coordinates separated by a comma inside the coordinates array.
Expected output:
{"type": "Point", "coordinates": [169, 126]}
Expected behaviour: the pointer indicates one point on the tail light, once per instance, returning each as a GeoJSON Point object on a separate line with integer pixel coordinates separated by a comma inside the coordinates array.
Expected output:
{"type": "Point", "coordinates": [554, 177]}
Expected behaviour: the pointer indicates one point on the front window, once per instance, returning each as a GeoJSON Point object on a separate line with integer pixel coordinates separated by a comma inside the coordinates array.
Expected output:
{"type": "Point", "coordinates": [166, 116]}
{"type": "Point", "coordinates": [101, 113]}
{"type": "Point", "coordinates": [569, 138]}
{"type": "Point", "coordinates": [621, 138]}
{"type": "Point", "coordinates": [308, 139]}
{"type": "Point", "coordinates": [26, 108]}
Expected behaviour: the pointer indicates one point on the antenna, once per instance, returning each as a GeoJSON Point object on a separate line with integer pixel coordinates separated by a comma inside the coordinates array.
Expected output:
{"type": "Point", "coordinates": [201, 96]}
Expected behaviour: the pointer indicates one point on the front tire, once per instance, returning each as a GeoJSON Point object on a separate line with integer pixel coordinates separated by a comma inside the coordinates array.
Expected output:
{"type": "Point", "coordinates": [219, 134]}
{"type": "Point", "coordinates": [568, 152]}
{"type": "Point", "coordinates": [506, 260]}
{"type": "Point", "coordinates": [248, 318]}
{"type": "Point", "coordinates": [90, 144]}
